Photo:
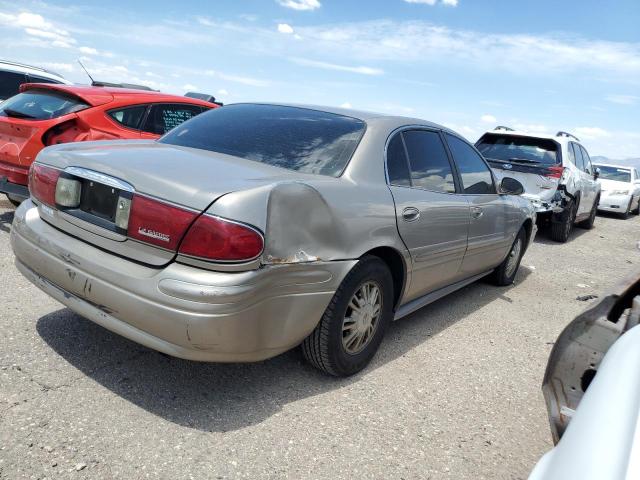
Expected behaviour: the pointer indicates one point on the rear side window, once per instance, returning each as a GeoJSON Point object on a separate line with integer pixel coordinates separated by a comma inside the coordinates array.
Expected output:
{"type": "Point", "coordinates": [397, 166]}
{"type": "Point", "coordinates": [578, 156]}
{"type": "Point", "coordinates": [476, 176]}
{"type": "Point", "coordinates": [430, 167]}
{"type": "Point", "coordinates": [515, 149]}
{"type": "Point", "coordinates": [41, 105]}
{"type": "Point", "coordinates": [165, 117]}
{"type": "Point", "coordinates": [10, 83]}
{"type": "Point", "coordinates": [129, 117]}
{"type": "Point", "coordinates": [300, 139]}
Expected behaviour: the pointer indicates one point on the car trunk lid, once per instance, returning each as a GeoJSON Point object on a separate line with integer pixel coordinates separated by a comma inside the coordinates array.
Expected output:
{"type": "Point", "coordinates": [171, 185]}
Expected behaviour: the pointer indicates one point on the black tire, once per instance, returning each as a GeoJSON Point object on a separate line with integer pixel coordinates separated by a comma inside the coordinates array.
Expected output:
{"type": "Point", "coordinates": [627, 213]}
{"type": "Point", "coordinates": [506, 272]}
{"type": "Point", "coordinates": [561, 227]}
{"type": "Point", "coordinates": [588, 223]}
{"type": "Point", "coordinates": [14, 202]}
{"type": "Point", "coordinates": [324, 348]}
{"type": "Point", "coordinates": [636, 210]}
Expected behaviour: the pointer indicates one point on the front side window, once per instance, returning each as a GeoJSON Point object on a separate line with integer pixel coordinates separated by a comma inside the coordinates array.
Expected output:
{"type": "Point", "coordinates": [10, 83]}
{"type": "Point", "coordinates": [516, 149]}
{"type": "Point", "coordinates": [430, 167]}
{"type": "Point", "coordinates": [397, 166]}
{"type": "Point", "coordinates": [163, 118]}
{"type": "Point", "coordinates": [299, 139]}
{"type": "Point", "coordinates": [476, 176]}
{"type": "Point", "coordinates": [129, 117]}
{"type": "Point", "coordinates": [41, 105]}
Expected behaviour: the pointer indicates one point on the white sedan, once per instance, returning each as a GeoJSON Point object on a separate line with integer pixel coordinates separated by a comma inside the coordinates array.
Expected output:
{"type": "Point", "coordinates": [620, 189]}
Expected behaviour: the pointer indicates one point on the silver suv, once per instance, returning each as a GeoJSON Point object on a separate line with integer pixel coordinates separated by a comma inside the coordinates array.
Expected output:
{"type": "Point", "coordinates": [556, 173]}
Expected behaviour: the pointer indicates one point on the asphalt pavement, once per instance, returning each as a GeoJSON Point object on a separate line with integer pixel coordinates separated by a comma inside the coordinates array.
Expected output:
{"type": "Point", "coordinates": [454, 392]}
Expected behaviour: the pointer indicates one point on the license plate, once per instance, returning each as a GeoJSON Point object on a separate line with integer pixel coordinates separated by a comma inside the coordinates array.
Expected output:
{"type": "Point", "coordinates": [99, 200]}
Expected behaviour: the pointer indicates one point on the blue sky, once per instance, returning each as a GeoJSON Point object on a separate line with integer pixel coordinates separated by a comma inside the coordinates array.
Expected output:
{"type": "Point", "coordinates": [469, 64]}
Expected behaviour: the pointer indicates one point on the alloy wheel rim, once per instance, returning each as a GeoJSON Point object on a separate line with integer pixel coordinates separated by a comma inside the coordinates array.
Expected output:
{"type": "Point", "coordinates": [514, 256]}
{"type": "Point", "coordinates": [361, 318]}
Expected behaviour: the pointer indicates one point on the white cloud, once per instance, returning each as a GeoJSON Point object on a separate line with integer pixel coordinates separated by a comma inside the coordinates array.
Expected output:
{"type": "Point", "coordinates": [346, 105]}
{"type": "Point", "coordinates": [449, 3]}
{"type": "Point", "coordinates": [591, 133]}
{"type": "Point", "coordinates": [190, 87]}
{"type": "Point", "coordinates": [35, 25]}
{"type": "Point", "coordinates": [285, 28]}
{"type": "Point", "coordinates": [488, 119]}
{"type": "Point", "coordinates": [88, 50]}
{"type": "Point", "coordinates": [531, 127]}
{"type": "Point", "coordinates": [341, 68]}
{"type": "Point", "coordinates": [59, 67]}
{"type": "Point", "coordinates": [623, 99]}
{"type": "Point", "coordinates": [300, 4]}
{"type": "Point", "coordinates": [250, 81]}
{"type": "Point", "coordinates": [222, 91]}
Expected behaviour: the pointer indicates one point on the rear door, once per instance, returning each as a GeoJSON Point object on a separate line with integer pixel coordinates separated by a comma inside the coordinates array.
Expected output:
{"type": "Point", "coordinates": [432, 217]}
{"type": "Point", "coordinates": [489, 237]}
{"type": "Point", "coordinates": [590, 184]}
{"type": "Point", "coordinates": [582, 181]}
{"type": "Point", "coordinates": [163, 117]}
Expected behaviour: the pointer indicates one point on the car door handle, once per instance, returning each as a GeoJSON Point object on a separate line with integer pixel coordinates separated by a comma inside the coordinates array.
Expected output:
{"type": "Point", "coordinates": [410, 214]}
{"type": "Point", "coordinates": [476, 212]}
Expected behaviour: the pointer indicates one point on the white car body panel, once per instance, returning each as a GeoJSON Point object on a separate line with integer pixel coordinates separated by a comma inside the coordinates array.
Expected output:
{"type": "Point", "coordinates": [618, 202]}
{"type": "Point", "coordinates": [602, 441]}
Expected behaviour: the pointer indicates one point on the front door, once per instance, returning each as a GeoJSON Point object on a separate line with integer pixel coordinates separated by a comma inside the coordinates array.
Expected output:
{"type": "Point", "coordinates": [490, 232]}
{"type": "Point", "coordinates": [432, 217]}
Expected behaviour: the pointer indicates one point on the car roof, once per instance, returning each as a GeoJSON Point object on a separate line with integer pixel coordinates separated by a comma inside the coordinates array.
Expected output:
{"type": "Point", "coordinates": [6, 65]}
{"type": "Point", "coordinates": [381, 119]}
{"type": "Point", "coordinates": [95, 96]}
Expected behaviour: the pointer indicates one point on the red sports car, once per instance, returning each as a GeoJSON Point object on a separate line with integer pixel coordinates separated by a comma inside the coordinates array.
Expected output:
{"type": "Point", "coordinates": [48, 114]}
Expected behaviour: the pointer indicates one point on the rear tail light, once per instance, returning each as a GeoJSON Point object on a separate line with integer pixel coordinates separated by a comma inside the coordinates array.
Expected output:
{"type": "Point", "coordinates": [158, 223]}
{"type": "Point", "coordinates": [215, 238]}
{"type": "Point", "coordinates": [554, 172]}
{"type": "Point", "coordinates": [68, 192]}
{"type": "Point", "coordinates": [42, 183]}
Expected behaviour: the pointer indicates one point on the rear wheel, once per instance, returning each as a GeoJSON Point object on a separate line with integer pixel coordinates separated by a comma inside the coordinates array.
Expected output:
{"type": "Point", "coordinates": [588, 223]}
{"type": "Point", "coordinates": [354, 323]}
{"type": "Point", "coordinates": [561, 228]}
{"type": "Point", "coordinates": [506, 272]}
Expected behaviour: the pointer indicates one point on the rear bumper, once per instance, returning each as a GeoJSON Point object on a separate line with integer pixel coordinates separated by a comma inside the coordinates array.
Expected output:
{"type": "Point", "coordinates": [614, 203]}
{"type": "Point", "coordinates": [180, 310]}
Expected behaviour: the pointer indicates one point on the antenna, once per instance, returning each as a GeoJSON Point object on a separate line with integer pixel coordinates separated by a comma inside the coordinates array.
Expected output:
{"type": "Point", "coordinates": [85, 71]}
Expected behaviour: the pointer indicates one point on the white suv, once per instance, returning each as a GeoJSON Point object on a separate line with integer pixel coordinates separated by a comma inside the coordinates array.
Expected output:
{"type": "Point", "coordinates": [12, 75]}
{"type": "Point", "coordinates": [556, 173]}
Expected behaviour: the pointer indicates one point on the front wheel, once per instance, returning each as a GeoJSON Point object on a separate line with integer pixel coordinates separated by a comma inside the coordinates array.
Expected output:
{"type": "Point", "coordinates": [354, 323]}
{"type": "Point", "coordinates": [636, 210]}
{"type": "Point", "coordinates": [506, 272]}
{"type": "Point", "coordinates": [626, 214]}
{"type": "Point", "coordinates": [588, 223]}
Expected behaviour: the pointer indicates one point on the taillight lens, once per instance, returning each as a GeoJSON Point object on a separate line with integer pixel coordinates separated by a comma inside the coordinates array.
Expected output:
{"type": "Point", "coordinates": [214, 238]}
{"type": "Point", "coordinates": [42, 183]}
{"type": "Point", "coordinates": [554, 172]}
{"type": "Point", "coordinates": [158, 223]}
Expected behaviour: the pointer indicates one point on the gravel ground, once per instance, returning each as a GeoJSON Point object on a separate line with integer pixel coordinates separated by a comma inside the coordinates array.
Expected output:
{"type": "Point", "coordinates": [453, 393]}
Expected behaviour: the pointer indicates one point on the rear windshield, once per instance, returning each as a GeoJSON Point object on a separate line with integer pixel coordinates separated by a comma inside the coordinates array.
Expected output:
{"type": "Point", "coordinates": [298, 139]}
{"type": "Point", "coordinates": [510, 148]}
{"type": "Point", "coordinates": [614, 173]}
{"type": "Point", "coordinates": [40, 105]}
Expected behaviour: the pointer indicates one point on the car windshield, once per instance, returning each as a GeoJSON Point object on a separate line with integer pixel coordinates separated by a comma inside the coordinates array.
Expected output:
{"type": "Point", "coordinates": [511, 148]}
{"type": "Point", "coordinates": [40, 105]}
{"type": "Point", "coordinates": [614, 173]}
{"type": "Point", "coordinates": [299, 139]}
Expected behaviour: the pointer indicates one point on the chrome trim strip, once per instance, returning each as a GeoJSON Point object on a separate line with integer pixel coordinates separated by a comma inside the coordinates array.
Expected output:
{"type": "Point", "coordinates": [100, 178]}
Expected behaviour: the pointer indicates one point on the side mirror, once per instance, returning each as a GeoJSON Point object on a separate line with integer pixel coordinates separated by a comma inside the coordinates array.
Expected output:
{"type": "Point", "coordinates": [596, 173]}
{"type": "Point", "coordinates": [511, 186]}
